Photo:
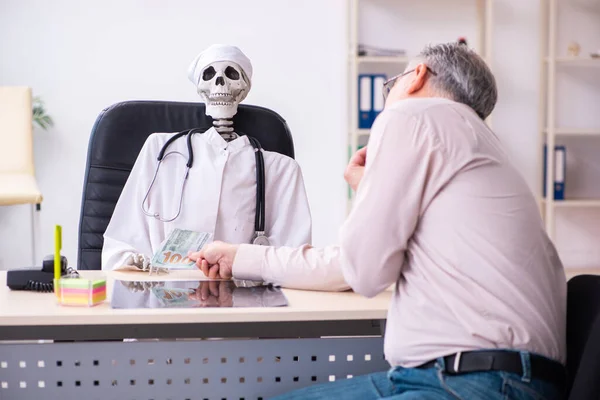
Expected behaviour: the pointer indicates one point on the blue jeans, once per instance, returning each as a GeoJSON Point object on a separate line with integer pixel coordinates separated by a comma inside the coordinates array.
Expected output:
{"type": "Point", "coordinates": [433, 384]}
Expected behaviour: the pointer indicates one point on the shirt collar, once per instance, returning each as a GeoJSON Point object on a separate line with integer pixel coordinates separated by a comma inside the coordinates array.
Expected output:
{"type": "Point", "coordinates": [213, 138]}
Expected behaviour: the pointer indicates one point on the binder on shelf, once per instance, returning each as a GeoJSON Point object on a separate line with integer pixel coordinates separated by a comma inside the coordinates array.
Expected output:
{"type": "Point", "coordinates": [364, 101]}
{"type": "Point", "coordinates": [378, 81]}
{"type": "Point", "coordinates": [370, 98]}
{"type": "Point", "coordinates": [560, 171]}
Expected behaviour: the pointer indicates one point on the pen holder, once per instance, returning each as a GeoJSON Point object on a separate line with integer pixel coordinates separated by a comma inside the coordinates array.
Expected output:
{"type": "Point", "coordinates": [79, 291]}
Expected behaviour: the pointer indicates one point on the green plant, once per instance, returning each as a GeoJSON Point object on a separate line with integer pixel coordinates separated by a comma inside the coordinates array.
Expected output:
{"type": "Point", "coordinates": [40, 117]}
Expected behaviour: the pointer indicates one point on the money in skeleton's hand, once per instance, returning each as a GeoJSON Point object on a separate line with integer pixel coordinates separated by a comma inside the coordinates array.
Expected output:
{"type": "Point", "coordinates": [173, 253]}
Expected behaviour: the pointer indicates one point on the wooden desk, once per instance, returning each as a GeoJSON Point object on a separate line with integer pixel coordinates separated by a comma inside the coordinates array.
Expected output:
{"type": "Point", "coordinates": [572, 272]}
{"type": "Point", "coordinates": [28, 315]}
{"type": "Point", "coordinates": [320, 336]}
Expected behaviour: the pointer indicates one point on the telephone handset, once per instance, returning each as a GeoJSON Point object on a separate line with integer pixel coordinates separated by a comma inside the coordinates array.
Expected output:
{"type": "Point", "coordinates": [36, 279]}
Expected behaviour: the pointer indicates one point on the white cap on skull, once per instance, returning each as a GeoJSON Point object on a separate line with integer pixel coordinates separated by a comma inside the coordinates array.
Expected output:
{"type": "Point", "coordinates": [218, 52]}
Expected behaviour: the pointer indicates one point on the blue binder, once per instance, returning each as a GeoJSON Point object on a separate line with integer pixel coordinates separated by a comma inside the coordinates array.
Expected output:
{"type": "Point", "coordinates": [560, 171]}
{"type": "Point", "coordinates": [378, 103]}
{"type": "Point", "coordinates": [365, 90]}
{"type": "Point", "coordinates": [370, 98]}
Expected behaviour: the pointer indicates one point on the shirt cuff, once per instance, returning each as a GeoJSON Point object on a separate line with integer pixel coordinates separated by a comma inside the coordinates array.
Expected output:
{"type": "Point", "coordinates": [248, 262]}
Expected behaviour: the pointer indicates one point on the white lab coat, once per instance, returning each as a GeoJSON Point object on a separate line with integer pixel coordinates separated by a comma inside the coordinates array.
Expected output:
{"type": "Point", "coordinates": [219, 197]}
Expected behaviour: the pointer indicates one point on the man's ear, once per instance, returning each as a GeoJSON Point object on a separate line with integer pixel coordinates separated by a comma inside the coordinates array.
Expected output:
{"type": "Point", "coordinates": [418, 81]}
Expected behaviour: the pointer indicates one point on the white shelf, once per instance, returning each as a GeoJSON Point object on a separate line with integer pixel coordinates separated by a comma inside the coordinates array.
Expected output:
{"type": "Point", "coordinates": [390, 60]}
{"type": "Point", "coordinates": [575, 203]}
{"type": "Point", "coordinates": [381, 60]}
{"type": "Point", "coordinates": [554, 63]}
{"type": "Point", "coordinates": [576, 61]}
{"type": "Point", "coordinates": [386, 64]}
{"type": "Point", "coordinates": [575, 132]}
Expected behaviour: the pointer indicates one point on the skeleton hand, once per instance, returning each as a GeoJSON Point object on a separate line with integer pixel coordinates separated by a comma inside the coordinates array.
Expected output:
{"type": "Point", "coordinates": [139, 261]}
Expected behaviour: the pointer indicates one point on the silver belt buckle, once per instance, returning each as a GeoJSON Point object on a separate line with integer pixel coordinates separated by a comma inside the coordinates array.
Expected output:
{"type": "Point", "coordinates": [456, 365]}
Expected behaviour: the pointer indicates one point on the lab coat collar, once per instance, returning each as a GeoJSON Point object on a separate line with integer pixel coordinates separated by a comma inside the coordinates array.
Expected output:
{"type": "Point", "coordinates": [213, 138]}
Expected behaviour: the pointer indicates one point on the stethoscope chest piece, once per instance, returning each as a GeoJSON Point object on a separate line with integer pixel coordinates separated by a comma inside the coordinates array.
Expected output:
{"type": "Point", "coordinates": [261, 240]}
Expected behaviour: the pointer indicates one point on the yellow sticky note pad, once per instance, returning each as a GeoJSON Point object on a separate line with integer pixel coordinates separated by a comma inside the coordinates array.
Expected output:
{"type": "Point", "coordinates": [80, 292]}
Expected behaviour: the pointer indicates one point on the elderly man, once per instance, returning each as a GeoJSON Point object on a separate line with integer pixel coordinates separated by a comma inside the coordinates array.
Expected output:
{"type": "Point", "coordinates": [478, 310]}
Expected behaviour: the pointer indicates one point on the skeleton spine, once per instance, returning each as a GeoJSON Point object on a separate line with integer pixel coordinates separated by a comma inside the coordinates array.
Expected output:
{"type": "Point", "coordinates": [225, 128]}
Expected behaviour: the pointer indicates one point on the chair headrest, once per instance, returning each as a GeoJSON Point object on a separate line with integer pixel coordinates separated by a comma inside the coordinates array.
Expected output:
{"type": "Point", "coordinates": [121, 129]}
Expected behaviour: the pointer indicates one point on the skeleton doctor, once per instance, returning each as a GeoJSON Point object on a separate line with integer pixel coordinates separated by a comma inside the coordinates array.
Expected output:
{"type": "Point", "coordinates": [208, 181]}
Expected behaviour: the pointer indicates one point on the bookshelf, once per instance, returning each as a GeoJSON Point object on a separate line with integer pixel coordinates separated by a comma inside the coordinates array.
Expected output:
{"type": "Point", "coordinates": [574, 203]}
{"type": "Point", "coordinates": [432, 17]}
{"type": "Point", "coordinates": [382, 59]}
{"type": "Point", "coordinates": [559, 64]}
{"type": "Point", "coordinates": [575, 61]}
{"type": "Point", "coordinates": [573, 131]}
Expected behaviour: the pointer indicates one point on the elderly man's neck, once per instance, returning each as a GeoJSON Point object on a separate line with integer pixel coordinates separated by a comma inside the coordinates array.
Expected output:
{"type": "Point", "coordinates": [424, 93]}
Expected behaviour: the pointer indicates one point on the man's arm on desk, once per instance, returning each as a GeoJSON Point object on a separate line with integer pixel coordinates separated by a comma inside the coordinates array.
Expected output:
{"type": "Point", "coordinates": [403, 170]}
{"type": "Point", "coordinates": [303, 267]}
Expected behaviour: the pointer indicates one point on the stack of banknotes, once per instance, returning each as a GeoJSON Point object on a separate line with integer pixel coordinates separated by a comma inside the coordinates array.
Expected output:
{"type": "Point", "coordinates": [173, 253]}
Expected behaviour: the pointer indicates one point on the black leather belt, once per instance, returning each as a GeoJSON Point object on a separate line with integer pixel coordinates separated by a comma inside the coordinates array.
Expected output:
{"type": "Point", "coordinates": [507, 361]}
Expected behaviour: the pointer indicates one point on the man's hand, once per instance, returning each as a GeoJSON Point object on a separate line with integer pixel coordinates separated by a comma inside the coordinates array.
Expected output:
{"type": "Point", "coordinates": [356, 168]}
{"type": "Point", "coordinates": [215, 259]}
{"type": "Point", "coordinates": [214, 294]}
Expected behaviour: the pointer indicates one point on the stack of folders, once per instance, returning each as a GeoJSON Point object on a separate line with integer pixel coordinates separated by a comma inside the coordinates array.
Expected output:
{"type": "Point", "coordinates": [370, 98]}
{"type": "Point", "coordinates": [365, 50]}
{"type": "Point", "coordinates": [560, 171]}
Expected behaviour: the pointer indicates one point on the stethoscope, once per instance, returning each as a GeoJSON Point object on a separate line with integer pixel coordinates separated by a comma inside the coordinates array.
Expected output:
{"type": "Point", "coordinates": [259, 218]}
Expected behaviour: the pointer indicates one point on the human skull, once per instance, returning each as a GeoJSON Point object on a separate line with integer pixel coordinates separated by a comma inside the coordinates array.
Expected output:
{"type": "Point", "coordinates": [222, 87]}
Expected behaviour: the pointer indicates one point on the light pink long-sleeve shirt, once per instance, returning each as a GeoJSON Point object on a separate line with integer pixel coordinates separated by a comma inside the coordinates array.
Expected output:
{"type": "Point", "coordinates": [442, 213]}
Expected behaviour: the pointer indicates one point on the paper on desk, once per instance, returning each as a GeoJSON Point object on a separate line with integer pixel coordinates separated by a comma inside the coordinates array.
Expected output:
{"type": "Point", "coordinates": [173, 252]}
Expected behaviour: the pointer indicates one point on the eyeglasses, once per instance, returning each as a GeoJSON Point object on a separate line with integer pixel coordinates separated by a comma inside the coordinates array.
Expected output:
{"type": "Point", "coordinates": [389, 84]}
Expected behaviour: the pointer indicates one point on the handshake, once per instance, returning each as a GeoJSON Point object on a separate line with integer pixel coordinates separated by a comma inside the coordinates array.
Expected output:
{"type": "Point", "coordinates": [214, 259]}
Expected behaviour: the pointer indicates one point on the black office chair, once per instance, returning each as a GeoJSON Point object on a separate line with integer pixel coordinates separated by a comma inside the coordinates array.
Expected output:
{"type": "Point", "coordinates": [583, 337]}
{"type": "Point", "coordinates": [118, 136]}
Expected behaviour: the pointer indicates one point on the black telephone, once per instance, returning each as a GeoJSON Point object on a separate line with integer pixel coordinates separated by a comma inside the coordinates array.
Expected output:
{"type": "Point", "coordinates": [36, 279]}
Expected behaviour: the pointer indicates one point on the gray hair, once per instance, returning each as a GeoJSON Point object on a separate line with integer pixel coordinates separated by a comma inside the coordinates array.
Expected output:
{"type": "Point", "coordinates": [462, 76]}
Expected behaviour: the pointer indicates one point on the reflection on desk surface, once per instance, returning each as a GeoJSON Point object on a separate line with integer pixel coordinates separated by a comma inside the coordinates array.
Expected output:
{"type": "Point", "coordinates": [195, 294]}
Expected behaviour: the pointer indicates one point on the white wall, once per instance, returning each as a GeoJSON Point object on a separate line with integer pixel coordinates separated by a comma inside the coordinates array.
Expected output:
{"type": "Point", "coordinates": [81, 58]}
